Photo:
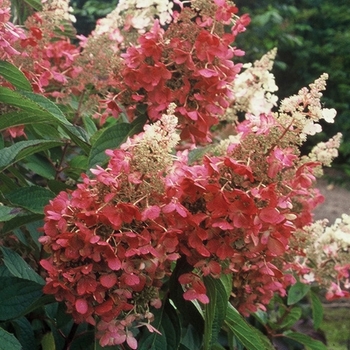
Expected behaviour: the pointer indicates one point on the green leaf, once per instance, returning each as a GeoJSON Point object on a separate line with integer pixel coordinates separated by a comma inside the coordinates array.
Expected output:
{"type": "Point", "coordinates": [40, 166]}
{"type": "Point", "coordinates": [292, 316]}
{"type": "Point", "coordinates": [297, 292]}
{"type": "Point", "coordinates": [249, 336]}
{"type": "Point", "coordinates": [19, 221]}
{"type": "Point", "coordinates": [44, 105]}
{"type": "Point", "coordinates": [34, 232]}
{"type": "Point", "coordinates": [13, 75]}
{"type": "Point", "coordinates": [7, 213]}
{"type": "Point", "coordinates": [215, 310]}
{"type": "Point", "coordinates": [198, 153]}
{"type": "Point", "coordinates": [33, 104]}
{"type": "Point", "coordinates": [7, 183]}
{"type": "Point", "coordinates": [22, 149]}
{"type": "Point", "coordinates": [42, 301]}
{"type": "Point", "coordinates": [306, 340]}
{"type": "Point", "coordinates": [18, 267]}
{"type": "Point", "coordinates": [22, 118]}
{"type": "Point", "coordinates": [16, 296]}
{"type": "Point", "coordinates": [36, 4]}
{"type": "Point", "coordinates": [89, 126]}
{"type": "Point", "coordinates": [167, 323]}
{"type": "Point", "coordinates": [317, 309]}
{"type": "Point", "coordinates": [48, 342]}
{"type": "Point", "coordinates": [8, 341]}
{"type": "Point", "coordinates": [32, 198]}
{"type": "Point", "coordinates": [79, 136]}
{"type": "Point", "coordinates": [191, 339]}
{"type": "Point", "coordinates": [109, 138]}
{"type": "Point", "coordinates": [25, 334]}
{"type": "Point", "coordinates": [187, 309]}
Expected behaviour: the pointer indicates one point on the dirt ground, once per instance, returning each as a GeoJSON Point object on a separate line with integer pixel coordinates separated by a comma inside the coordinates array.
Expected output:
{"type": "Point", "coordinates": [337, 201]}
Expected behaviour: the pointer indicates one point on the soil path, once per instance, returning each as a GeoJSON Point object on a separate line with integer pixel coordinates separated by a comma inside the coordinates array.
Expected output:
{"type": "Point", "coordinates": [337, 201]}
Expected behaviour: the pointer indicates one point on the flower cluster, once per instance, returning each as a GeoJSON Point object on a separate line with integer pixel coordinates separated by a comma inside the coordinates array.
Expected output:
{"type": "Point", "coordinates": [113, 240]}
{"type": "Point", "coordinates": [189, 64]}
{"type": "Point", "coordinates": [43, 52]}
{"type": "Point", "coordinates": [306, 109]}
{"type": "Point", "coordinates": [108, 255]}
{"type": "Point", "coordinates": [254, 87]}
{"type": "Point", "coordinates": [326, 256]}
{"type": "Point", "coordinates": [9, 33]}
{"type": "Point", "coordinates": [243, 209]}
{"type": "Point", "coordinates": [325, 152]}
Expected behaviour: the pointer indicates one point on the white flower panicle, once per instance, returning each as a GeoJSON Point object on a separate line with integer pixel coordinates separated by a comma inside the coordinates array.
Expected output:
{"type": "Point", "coordinates": [338, 235]}
{"type": "Point", "coordinates": [59, 10]}
{"type": "Point", "coordinates": [304, 110]}
{"type": "Point", "coordinates": [137, 14]}
{"type": "Point", "coordinates": [152, 149]}
{"type": "Point", "coordinates": [326, 255]}
{"type": "Point", "coordinates": [325, 152]}
{"type": "Point", "coordinates": [253, 88]}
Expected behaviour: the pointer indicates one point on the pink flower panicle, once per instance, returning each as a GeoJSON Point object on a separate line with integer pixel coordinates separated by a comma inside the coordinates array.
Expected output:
{"type": "Point", "coordinates": [189, 64]}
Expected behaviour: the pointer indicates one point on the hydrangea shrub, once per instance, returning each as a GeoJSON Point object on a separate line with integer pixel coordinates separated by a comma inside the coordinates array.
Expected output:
{"type": "Point", "coordinates": [154, 187]}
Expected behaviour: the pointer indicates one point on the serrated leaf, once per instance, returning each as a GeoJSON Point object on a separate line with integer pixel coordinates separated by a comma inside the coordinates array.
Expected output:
{"type": "Point", "coordinates": [197, 154]}
{"type": "Point", "coordinates": [7, 183]}
{"type": "Point", "coordinates": [293, 316]}
{"type": "Point", "coordinates": [8, 341]}
{"type": "Point", "coordinates": [18, 267]}
{"type": "Point", "coordinates": [111, 138]}
{"type": "Point", "coordinates": [45, 106]}
{"type": "Point", "coordinates": [22, 118]}
{"type": "Point", "coordinates": [310, 343]}
{"type": "Point", "coordinates": [297, 292]}
{"type": "Point", "coordinates": [250, 337]}
{"type": "Point", "coordinates": [16, 296]}
{"type": "Point", "coordinates": [215, 310]}
{"type": "Point", "coordinates": [24, 333]}
{"type": "Point", "coordinates": [317, 309]}
{"type": "Point", "coordinates": [42, 301]}
{"type": "Point", "coordinates": [89, 125]}
{"type": "Point", "coordinates": [32, 198]}
{"type": "Point", "coordinates": [13, 75]}
{"type": "Point", "coordinates": [34, 232]}
{"type": "Point", "coordinates": [32, 103]}
{"type": "Point", "coordinates": [22, 149]}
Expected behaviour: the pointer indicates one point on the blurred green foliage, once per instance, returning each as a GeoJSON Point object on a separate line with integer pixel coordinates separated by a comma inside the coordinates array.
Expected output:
{"type": "Point", "coordinates": [312, 37]}
{"type": "Point", "coordinates": [87, 12]}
